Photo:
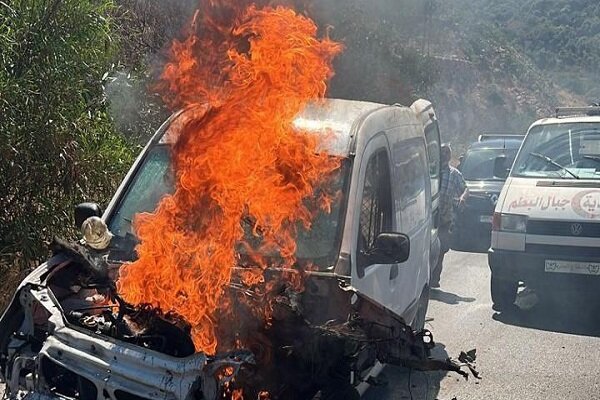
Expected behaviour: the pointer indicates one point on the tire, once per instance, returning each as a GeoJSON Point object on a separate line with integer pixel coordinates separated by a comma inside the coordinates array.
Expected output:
{"type": "Point", "coordinates": [419, 321]}
{"type": "Point", "coordinates": [504, 293]}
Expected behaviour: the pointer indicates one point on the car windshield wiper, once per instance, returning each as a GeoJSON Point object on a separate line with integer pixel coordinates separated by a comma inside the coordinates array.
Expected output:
{"type": "Point", "coordinates": [595, 158]}
{"type": "Point", "coordinates": [552, 162]}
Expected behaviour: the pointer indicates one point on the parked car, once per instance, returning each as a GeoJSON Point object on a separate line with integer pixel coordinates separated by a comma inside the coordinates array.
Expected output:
{"type": "Point", "coordinates": [370, 286]}
{"type": "Point", "coordinates": [546, 226]}
{"type": "Point", "coordinates": [473, 227]}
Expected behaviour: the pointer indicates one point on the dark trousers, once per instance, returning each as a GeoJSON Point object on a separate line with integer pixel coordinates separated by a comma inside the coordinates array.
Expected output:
{"type": "Point", "coordinates": [445, 234]}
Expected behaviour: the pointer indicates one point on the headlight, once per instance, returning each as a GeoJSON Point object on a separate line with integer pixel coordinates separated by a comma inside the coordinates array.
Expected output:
{"type": "Point", "coordinates": [513, 223]}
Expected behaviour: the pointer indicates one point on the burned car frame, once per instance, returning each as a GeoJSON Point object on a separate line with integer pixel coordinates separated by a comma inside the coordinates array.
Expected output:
{"type": "Point", "coordinates": [68, 334]}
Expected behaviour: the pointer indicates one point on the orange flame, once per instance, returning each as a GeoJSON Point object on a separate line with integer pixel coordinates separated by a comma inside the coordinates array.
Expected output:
{"type": "Point", "coordinates": [257, 69]}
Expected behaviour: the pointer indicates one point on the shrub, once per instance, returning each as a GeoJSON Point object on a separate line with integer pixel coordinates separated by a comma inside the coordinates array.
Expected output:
{"type": "Point", "coordinates": [57, 144]}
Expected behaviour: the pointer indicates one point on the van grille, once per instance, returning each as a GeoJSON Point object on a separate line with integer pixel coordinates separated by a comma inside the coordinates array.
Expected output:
{"type": "Point", "coordinates": [564, 252]}
{"type": "Point", "coordinates": [556, 228]}
{"type": "Point", "coordinates": [64, 383]}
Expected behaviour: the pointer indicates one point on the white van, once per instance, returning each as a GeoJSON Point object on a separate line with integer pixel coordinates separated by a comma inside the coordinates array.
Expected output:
{"type": "Point", "coordinates": [546, 226]}
{"type": "Point", "coordinates": [363, 305]}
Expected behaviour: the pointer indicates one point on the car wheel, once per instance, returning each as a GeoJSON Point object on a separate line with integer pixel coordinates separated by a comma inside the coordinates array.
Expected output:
{"type": "Point", "coordinates": [419, 321]}
{"type": "Point", "coordinates": [504, 293]}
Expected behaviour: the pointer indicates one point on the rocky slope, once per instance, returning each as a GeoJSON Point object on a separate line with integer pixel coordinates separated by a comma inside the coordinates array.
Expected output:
{"type": "Point", "coordinates": [485, 81]}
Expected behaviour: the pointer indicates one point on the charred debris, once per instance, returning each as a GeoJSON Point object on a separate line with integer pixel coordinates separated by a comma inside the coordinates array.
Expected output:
{"type": "Point", "coordinates": [314, 340]}
{"type": "Point", "coordinates": [317, 337]}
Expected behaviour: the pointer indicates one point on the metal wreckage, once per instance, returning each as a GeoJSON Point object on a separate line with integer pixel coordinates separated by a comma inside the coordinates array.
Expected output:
{"type": "Point", "coordinates": [68, 334]}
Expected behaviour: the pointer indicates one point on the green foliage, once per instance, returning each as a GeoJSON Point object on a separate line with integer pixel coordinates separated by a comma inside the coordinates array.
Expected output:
{"type": "Point", "coordinates": [144, 28]}
{"type": "Point", "coordinates": [57, 144]}
{"type": "Point", "coordinates": [561, 37]}
{"type": "Point", "coordinates": [556, 33]}
{"type": "Point", "coordinates": [550, 46]}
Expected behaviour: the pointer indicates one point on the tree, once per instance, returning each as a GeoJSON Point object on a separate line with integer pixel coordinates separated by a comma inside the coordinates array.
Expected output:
{"type": "Point", "coordinates": [57, 144]}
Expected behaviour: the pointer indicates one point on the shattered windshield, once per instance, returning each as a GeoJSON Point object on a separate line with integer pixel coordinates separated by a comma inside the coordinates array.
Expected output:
{"type": "Point", "coordinates": [478, 164]}
{"type": "Point", "coordinates": [154, 179]}
{"type": "Point", "coordinates": [151, 182]}
{"type": "Point", "coordinates": [564, 151]}
{"type": "Point", "coordinates": [319, 244]}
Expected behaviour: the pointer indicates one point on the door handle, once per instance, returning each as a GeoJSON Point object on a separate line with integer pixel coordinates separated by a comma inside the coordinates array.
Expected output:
{"type": "Point", "coordinates": [394, 272]}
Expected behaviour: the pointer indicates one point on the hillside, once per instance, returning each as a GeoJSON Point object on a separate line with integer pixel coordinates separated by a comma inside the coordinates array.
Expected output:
{"type": "Point", "coordinates": [555, 33]}
{"type": "Point", "coordinates": [496, 63]}
{"type": "Point", "coordinates": [562, 37]}
{"type": "Point", "coordinates": [485, 64]}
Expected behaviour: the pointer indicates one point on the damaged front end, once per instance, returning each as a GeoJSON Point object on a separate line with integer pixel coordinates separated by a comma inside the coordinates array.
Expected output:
{"type": "Point", "coordinates": [67, 334]}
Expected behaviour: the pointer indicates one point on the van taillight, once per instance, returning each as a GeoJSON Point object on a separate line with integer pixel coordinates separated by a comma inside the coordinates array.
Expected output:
{"type": "Point", "coordinates": [496, 221]}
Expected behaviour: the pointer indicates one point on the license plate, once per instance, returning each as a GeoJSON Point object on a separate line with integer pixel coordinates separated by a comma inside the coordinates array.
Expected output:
{"type": "Point", "coordinates": [486, 219]}
{"type": "Point", "coordinates": [573, 267]}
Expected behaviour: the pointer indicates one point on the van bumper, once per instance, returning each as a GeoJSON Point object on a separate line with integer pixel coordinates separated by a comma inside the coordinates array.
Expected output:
{"type": "Point", "coordinates": [530, 267]}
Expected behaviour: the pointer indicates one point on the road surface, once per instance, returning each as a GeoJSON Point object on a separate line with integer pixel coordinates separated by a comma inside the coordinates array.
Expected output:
{"type": "Point", "coordinates": [547, 348]}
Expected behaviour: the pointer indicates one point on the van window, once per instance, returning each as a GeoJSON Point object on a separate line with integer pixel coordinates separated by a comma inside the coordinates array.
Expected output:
{"type": "Point", "coordinates": [478, 164]}
{"type": "Point", "coordinates": [410, 169]}
{"type": "Point", "coordinates": [375, 206]}
{"type": "Point", "coordinates": [151, 183]}
{"type": "Point", "coordinates": [432, 136]}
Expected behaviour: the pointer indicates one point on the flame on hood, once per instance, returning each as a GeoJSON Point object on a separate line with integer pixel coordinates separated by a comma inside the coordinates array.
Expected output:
{"type": "Point", "coordinates": [257, 68]}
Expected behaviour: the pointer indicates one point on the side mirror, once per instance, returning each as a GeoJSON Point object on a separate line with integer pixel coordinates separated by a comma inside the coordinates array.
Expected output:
{"type": "Point", "coordinates": [85, 210]}
{"type": "Point", "coordinates": [500, 168]}
{"type": "Point", "coordinates": [389, 248]}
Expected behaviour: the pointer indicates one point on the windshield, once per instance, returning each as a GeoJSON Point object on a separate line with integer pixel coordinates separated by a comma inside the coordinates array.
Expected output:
{"type": "Point", "coordinates": [478, 164]}
{"type": "Point", "coordinates": [154, 179]}
{"type": "Point", "coordinates": [151, 182]}
{"type": "Point", "coordinates": [560, 151]}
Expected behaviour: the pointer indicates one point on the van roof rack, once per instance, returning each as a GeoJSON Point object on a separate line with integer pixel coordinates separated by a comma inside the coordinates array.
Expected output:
{"type": "Point", "coordinates": [562, 112]}
{"type": "Point", "coordinates": [499, 135]}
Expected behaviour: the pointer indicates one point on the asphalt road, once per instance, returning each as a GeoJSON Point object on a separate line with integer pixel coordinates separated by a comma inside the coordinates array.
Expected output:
{"type": "Point", "coordinates": [547, 348]}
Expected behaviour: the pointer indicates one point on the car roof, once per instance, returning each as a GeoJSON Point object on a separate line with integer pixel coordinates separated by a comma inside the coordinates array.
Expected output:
{"type": "Point", "coordinates": [567, 120]}
{"type": "Point", "coordinates": [334, 118]}
{"type": "Point", "coordinates": [499, 143]}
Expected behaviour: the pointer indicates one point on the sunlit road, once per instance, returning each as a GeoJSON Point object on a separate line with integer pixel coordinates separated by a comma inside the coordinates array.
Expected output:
{"type": "Point", "coordinates": [546, 349]}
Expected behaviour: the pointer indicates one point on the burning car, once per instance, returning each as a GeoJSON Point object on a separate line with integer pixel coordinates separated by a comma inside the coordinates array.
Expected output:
{"type": "Point", "coordinates": [361, 302]}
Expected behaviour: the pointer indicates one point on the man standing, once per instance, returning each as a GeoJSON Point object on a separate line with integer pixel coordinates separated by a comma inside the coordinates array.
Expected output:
{"type": "Point", "coordinates": [453, 194]}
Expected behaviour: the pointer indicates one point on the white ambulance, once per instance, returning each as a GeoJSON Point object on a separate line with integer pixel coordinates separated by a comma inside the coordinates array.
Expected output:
{"type": "Point", "coordinates": [546, 226]}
